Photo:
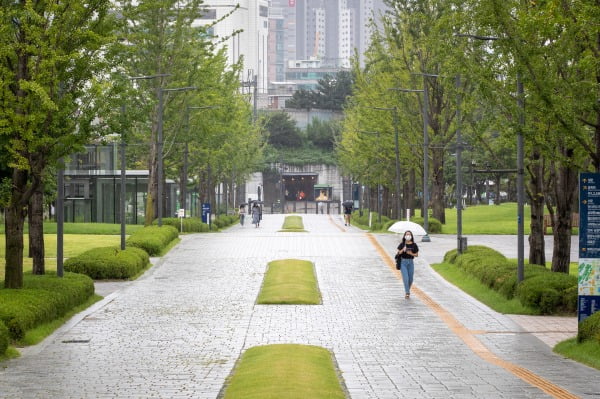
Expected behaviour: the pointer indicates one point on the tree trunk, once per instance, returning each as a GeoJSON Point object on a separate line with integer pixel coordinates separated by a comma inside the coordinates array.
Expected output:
{"type": "Point", "coordinates": [564, 193]}
{"type": "Point", "coordinates": [36, 231]}
{"type": "Point", "coordinates": [537, 255]}
{"type": "Point", "coordinates": [437, 198]}
{"type": "Point", "coordinates": [14, 222]}
{"type": "Point", "coordinates": [151, 202]}
{"type": "Point", "coordinates": [498, 179]}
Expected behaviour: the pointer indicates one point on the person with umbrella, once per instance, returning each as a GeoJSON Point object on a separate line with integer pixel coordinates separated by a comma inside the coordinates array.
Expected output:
{"type": "Point", "coordinates": [407, 252]}
{"type": "Point", "coordinates": [242, 213]}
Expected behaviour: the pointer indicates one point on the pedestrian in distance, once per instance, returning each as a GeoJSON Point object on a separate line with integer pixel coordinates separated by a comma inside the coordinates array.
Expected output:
{"type": "Point", "coordinates": [348, 206]}
{"type": "Point", "coordinates": [255, 215]}
{"type": "Point", "coordinates": [242, 213]}
{"type": "Point", "coordinates": [407, 252]}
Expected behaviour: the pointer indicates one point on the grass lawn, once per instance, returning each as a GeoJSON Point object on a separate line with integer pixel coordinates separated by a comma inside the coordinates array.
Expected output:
{"type": "Point", "coordinates": [479, 291]}
{"type": "Point", "coordinates": [290, 281]}
{"type": "Point", "coordinates": [293, 223]}
{"type": "Point", "coordinates": [586, 352]}
{"type": "Point", "coordinates": [285, 371]}
{"type": "Point", "coordinates": [85, 228]}
{"type": "Point", "coordinates": [74, 244]}
{"type": "Point", "coordinates": [487, 219]}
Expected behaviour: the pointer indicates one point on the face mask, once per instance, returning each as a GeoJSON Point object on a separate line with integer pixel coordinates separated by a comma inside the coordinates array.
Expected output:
{"type": "Point", "coordinates": [408, 237]}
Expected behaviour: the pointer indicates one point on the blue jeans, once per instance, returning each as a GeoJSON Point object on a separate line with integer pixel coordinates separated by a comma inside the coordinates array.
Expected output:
{"type": "Point", "coordinates": [407, 268]}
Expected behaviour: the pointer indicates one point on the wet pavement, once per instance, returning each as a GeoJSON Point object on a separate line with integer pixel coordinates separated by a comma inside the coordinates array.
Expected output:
{"type": "Point", "coordinates": [178, 330]}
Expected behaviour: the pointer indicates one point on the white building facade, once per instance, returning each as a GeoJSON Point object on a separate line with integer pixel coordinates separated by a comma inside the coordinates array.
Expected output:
{"type": "Point", "coordinates": [244, 33]}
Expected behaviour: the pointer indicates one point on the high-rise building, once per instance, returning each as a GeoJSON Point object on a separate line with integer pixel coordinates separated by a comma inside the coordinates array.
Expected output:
{"type": "Point", "coordinates": [244, 33]}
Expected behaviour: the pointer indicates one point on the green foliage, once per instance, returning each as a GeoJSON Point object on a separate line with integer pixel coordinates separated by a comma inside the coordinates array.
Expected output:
{"type": "Point", "coordinates": [222, 221]}
{"type": "Point", "coordinates": [547, 291]}
{"type": "Point", "coordinates": [543, 290]}
{"type": "Point", "coordinates": [589, 329]}
{"type": "Point", "coordinates": [4, 338]}
{"type": "Point", "coordinates": [153, 239]}
{"type": "Point", "coordinates": [331, 93]}
{"type": "Point", "coordinates": [282, 131]}
{"type": "Point", "coordinates": [190, 225]}
{"type": "Point", "coordinates": [42, 299]}
{"type": "Point", "coordinates": [300, 156]}
{"type": "Point", "coordinates": [108, 263]}
{"type": "Point", "coordinates": [322, 134]}
{"type": "Point", "coordinates": [435, 226]}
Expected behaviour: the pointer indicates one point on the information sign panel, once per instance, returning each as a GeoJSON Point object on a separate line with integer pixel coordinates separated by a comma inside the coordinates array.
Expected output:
{"type": "Point", "coordinates": [588, 300]}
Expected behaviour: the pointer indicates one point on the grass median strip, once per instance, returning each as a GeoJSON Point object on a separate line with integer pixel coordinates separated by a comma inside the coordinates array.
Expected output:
{"type": "Point", "coordinates": [292, 224]}
{"type": "Point", "coordinates": [290, 282]}
{"type": "Point", "coordinates": [285, 371]}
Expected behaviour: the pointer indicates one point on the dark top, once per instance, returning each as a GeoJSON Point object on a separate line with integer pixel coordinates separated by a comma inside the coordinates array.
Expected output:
{"type": "Point", "coordinates": [412, 247]}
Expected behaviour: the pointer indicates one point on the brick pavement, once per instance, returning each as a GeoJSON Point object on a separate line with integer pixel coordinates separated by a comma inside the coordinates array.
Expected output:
{"type": "Point", "coordinates": [177, 331]}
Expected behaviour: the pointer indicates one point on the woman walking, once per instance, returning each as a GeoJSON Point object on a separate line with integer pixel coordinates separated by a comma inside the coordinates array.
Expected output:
{"type": "Point", "coordinates": [255, 215]}
{"type": "Point", "coordinates": [242, 213]}
{"type": "Point", "coordinates": [407, 251]}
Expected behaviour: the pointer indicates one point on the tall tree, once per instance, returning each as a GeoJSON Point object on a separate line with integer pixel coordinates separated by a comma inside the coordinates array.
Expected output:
{"type": "Point", "coordinates": [554, 46]}
{"type": "Point", "coordinates": [51, 54]}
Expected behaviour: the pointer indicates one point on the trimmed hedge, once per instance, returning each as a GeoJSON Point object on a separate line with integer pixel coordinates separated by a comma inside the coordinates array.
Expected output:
{"type": "Point", "coordinates": [42, 299]}
{"type": "Point", "coordinates": [541, 289]}
{"type": "Point", "coordinates": [190, 225]}
{"type": "Point", "coordinates": [4, 338]}
{"type": "Point", "coordinates": [222, 221]}
{"type": "Point", "coordinates": [109, 263]}
{"type": "Point", "coordinates": [195, 225]}
{"type": "Point", "coordinates": [435, 226]}
{"type": "Point", "coordinates": [589, 329]}
{"type": "Point", "coordinates": [153, 239]}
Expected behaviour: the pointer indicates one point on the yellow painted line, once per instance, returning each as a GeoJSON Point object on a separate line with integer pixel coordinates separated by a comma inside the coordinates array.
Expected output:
{"type": "Point", "coordinates": [469, 338]}
{"type": "Point", "coordinates": [343, 230]}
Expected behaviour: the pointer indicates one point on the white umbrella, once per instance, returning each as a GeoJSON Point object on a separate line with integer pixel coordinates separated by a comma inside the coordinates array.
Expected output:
{"type": "Point", "coordinates": [403, 225]}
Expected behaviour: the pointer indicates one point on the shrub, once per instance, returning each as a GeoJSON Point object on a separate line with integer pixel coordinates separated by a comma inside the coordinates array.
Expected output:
{"type": "Point", "coordinates": [42, 299]}
{"type": "Point", "coordinates": [435, 226]}
{"type": "Point", "coordinates": [153, 239]}
{"type": "Point", "coordinates": [190, 225]}
{"type": "Point", "coordinates": [589, 329]}
{"type": "Point", "coordinates": [542, 289]}
{"type": "Point", "coordinates": [108, 263]}
{"type": "Point", "coordinates": [547, 292]}
{"type": "Point", "coordinates": [222, 221]}
{"type": "Point", "coordinates": [4, 338]}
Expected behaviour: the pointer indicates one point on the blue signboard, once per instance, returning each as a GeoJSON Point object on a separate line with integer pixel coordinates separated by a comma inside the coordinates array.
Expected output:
{"type": "Point", "coordinates": [589, 245]}
{"type": "Point", "coordinates": [205, 212]}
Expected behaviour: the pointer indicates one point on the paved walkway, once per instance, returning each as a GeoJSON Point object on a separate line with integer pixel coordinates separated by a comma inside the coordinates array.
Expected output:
{"type": "Point", "coordinates": [178, 331]}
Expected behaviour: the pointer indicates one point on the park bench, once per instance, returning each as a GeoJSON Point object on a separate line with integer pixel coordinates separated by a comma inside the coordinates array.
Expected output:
{"type": "Point", "coordinates": [548, 221]}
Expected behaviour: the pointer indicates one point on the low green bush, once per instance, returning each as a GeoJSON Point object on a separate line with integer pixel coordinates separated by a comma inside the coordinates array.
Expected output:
{"type": "Point", "coordinates": [190, 225]}
{"type": "Point", "coordinates": [222, 221]}
{"type": "Point", "coordinates": [108, 263]}
{"type": "Point", "coordinates": [543, 290]}
{"type": "Point", "coordinates": [4, 338]}
{"type": "Point", "coordinates": [547, 292]}
{"type": "Point", "coordinates": [435, 226]}
{"type": "Point", "coordinates": [42, 299]}
{"type": "Point", "coordinates": [589, 329]}
{"type": "Point", "coordinates": [153, 239]}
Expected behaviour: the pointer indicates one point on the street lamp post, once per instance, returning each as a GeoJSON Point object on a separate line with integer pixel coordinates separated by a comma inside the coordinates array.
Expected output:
{"type": "Point", "coordinates": [460, 245]}
{"type": "Point", "coordinates": [520, 166]}
{"type": "Point", "coordinates": [159, 145]}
